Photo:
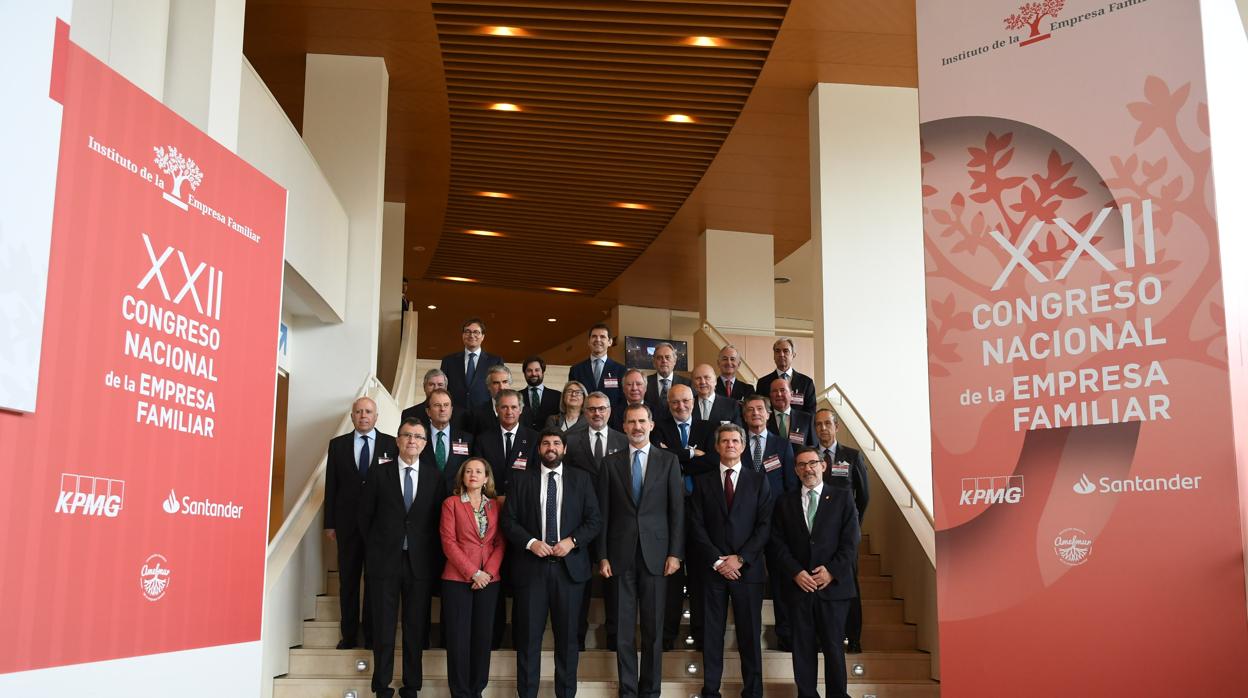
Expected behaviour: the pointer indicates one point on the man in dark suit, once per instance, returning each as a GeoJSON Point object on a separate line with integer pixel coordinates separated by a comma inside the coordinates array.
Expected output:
{"type": "Point", "coordinates": [814, 541]}
{"type": "Point", "coordinates": [599, 373]}
{"type": "Point", "coordinates": [802, 386]}
{"type": "Point", "coordinates": [845, 468]}
{"type": "Point", "coordinates": [766, 452]}
{"type": "Point", "coordinates": [728, 384]}
{"type": "Point", "coordinates": [508, 447]}
{"type": "Point", "coordinates": [709, 406]}
{"type": "Point", "coordinates": [539, 400]}
{"type": "Point", "coordinates": [690, 442]}
{"type": "Point", "coordinates": [729, 525]}
{"type": "Point", "coordinates": [792, 425]}
{"type": "Point", "coordinates": [643, 505]}
{"type": "Point", "coordinates": [465, 370]}
{"type": "Point", "coordinates": [399, 514]}
{"type": "Point", "coordinates": [349, 460]}
{"type": "Point", "coordinates": [634, 393]}
{"type": "Point", "coordinates": [485, 417]}
{"type": "Point", "coordinates": [449, 446]}
{"type": "Point", "coordinates": [663, 379]}
{"type": "Point", "coordinates": [587, 449]}
{"type": "Point", "coordinates": [434, 379]}
{"type": "Point", "coordinates": [550, 520]}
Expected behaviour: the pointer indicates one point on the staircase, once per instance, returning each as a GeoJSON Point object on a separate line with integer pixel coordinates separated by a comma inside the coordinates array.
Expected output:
{"type": "Point", "coordinates": [891, 667]}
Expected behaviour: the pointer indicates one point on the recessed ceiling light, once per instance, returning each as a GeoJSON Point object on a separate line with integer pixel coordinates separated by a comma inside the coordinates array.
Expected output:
{"type": "Point", "coordinates": [782, 279]}
{"type": "Point", "coordinates": [504, 106]}
{"type": "Point", "coordinates": [708, 41]}
{"type": "Point", "coordinates": [563, 289]}
{"type": "Point", "coordinates": [552, 319]}
{"type": "Point", "coordinates": [485, 233]}
{"type": "Point", "coordinates": [505, 31]}
{"type": "Point", "coordinates": [494, 194]}
{"type": "Point", "coordinates": [432, 307]}
{"type": "Point", "coordinates": [679, 118]}
{"type": "Point", "coordinates": [418, 248]}
{"type": "Point", "coordinates": [630, 205]}
{"type": "Point", "coordinates": [515, 341]}
{"type": "Point", "coordinates": [460, 278]}
{"type": "Point", "coordinates": [605, 243]}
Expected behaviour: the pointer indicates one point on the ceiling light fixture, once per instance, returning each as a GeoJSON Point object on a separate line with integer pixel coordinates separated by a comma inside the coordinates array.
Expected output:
{"type": "Point", "coordinates": [432, 307]}
{"type": "Point", "coordinates": [782, 280]}
{"type": "Point", "coordinates": [605, 243]}
{"type": "Point", "coordinates": [504, 106]}
{"type": "Point", "coordinates": [505, 31]}
{"type": "Point", "coordinates": [707, 41]}
{"type": "Point", "coordinates": [631, 205]}
{"type": "Point", "coordinates": [460, 278]}
{"type": "Point", "coordinates": [495, 194]}
{"type": "Point", "coordinates": [679, 119]}
{"type": "Point", "coordinates": [563, 289]}
{"type": "Point", "coordinates": [552, 319]}
{"type": "Point", "coordinates": [515, 341]}
{"type": "Point", "coordinates": [485, 233]}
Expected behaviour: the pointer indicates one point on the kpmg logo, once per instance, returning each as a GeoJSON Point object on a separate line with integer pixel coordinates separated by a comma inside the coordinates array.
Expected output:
{"type": "Point", "coordinates": [1072, 546]}
{"type": "Point", "coordinates": [1109, 485]}
{"type": "Point", "coordinates": [154, 577]}
{"type": "Point", "coordinates": [201, 507]}
{"type": "Point", "coordinates": [182, 169]}
{"type": "Point", "coordinates": [90, 496]}
{"type": "Point", "coordinates": [1002, 489]}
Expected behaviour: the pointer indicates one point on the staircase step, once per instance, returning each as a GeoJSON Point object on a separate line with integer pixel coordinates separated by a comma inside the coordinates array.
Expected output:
{"type": "Point", "coordinates": [433, 688]}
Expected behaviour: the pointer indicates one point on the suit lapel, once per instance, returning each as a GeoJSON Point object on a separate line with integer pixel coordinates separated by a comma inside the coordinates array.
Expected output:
{"type": "Point", "coordinates": [822, 513]}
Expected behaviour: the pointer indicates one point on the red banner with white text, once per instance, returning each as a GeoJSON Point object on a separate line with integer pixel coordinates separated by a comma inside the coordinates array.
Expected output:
{"type": "Point", "coordinates": [1088, 527]}
{"type": "Point", "coordinates": [135, 496]}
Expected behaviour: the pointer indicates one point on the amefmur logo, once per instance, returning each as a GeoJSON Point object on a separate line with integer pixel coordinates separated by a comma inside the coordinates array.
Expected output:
{"type": "Point", "coordinates": [90, 496]}
{"type": "Point", "coordinates": [1002, 489]}
{"type": "Point", "coordinates": [154, 577]}
{"type": "Point", "coordinates": [1072, 546]}
{"type": "Point", "coordinates": [182, 169]}
{"type": "Point", "coordinates": [1030, 15]}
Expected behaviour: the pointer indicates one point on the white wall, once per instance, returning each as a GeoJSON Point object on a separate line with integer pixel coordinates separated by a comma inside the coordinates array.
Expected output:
{"type": "Point", "coordinates": [391, 292]}
{"type": "Point", "coordinates": [867, 230]}
{"type": "Point", "coordinates": [734, 302]}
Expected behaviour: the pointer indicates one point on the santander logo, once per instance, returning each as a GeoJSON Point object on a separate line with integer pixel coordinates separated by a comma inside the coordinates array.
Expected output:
{"type": "Point", "coordinates": [1084, 486]}
{"type": "Point", "coordinates": [170, 505]}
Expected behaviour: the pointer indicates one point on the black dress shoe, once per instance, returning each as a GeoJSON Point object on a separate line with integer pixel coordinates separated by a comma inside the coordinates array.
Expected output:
{"type": "Point", "coordinates": [611, 645]}
{"type": "Point", "coordinates": [854, 648]}
{"type": "Point", "coordinates": [346, 645]}
{"type": "Point", "coordinates": [784, 645]}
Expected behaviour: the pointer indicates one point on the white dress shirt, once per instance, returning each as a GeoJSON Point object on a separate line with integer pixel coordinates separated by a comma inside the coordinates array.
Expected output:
{"type": "Point", "coordinates": [736, 476]}
{"type": "Point", "coordinates": [466, 355]}
{"type": "Point", "coordinates": [818, 490]}
{"type": "Point", "coordinates": [415, 475]}
{"type": "Point", "coordinates": [645, 461]}
{"type": "Point", "coordinates": [358, 443]}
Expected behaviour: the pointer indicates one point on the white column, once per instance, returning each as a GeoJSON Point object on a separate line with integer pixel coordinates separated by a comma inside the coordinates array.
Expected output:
{"type": "Point", "coordinates": [867, 230]}
{"type": "Point", "coordinates": [129, 35]}
{"type": "Point", "coordinates": [391, 297]}
{"type": "Point", "coordinates": [203, 65]}
{"type": "Point", "coordinates": [344, 126]}
{"type": "Point", "coordinates": [736, 297]}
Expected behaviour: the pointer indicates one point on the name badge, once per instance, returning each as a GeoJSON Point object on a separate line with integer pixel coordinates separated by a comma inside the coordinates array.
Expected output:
{"type": "Point", "coordinates": [798, 399]}
{"type": "Point", "coordinates": [520, 464]}
{"type": "Point", "coordinates": [383, 459]}
{"type": "Point", "coordinates": [797, 438]}
{"type": "Point", "coordinates": [724, 421]}
{"type": "Point", "coordinates": [611, 383]}
{"type": "Point", "coordinates": [839, 469]}
{"type": "Point", "coordinates": [771, 463]}
{"type": "Point", "coordinates": [459, 448]}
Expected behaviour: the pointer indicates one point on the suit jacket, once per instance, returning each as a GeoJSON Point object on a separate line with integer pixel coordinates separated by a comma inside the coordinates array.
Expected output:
{"type": "Point", "coordinates": [801, 428]}
{"type": "Point", "coordinates": [523, 455]}
{"type": "Point", "coordinates": [666, 435]}
{"type": "Point", "coordinates": [552, 400]}
{"type": "Point", "coordinates": [343, 483]}
{"type": "Point", "coordinates": [579, 518]}
{"type": "Point", "coordinates": [465, 549]}
{"type": "Point", "coordinates": [833, 543]}
{"type": "Point", "coordinates": [723, 409]}
{"type": "Point", "coordinates": [611, 370]}
{"type": "Point", "coordinates": [803, 389]}
{"type": "Point", "coordinates": [655, 525]}
{"type": "Point", "coordinates": [463, 395]}
{"type": "Point", "coordinates": [857, 481]}
{"type": "Point", "coordinates": [744, 530]}
{"type": "Point", "coordinates": [458, 450]}
{"type": "Point", "coordinates": [385, 522]}
{"type": "Point", "coordinates": [782, 475]}
{"type": "Point", "coordinates": [580, 451]}
{"type": "Point", "coordinates": [651, 398]}
{"type": "Point", "coordinates": [420, 411]}
{"type": "Point", "coordinates": [740, 388]}
{"type": "Point", "coordinates": [555, 421]}
{"type": "Point", "coordinates": [482, 418]}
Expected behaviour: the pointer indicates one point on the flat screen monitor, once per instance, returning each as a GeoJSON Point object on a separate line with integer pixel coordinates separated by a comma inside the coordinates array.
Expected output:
{"type": "Point", "coordinates": [639, 352]}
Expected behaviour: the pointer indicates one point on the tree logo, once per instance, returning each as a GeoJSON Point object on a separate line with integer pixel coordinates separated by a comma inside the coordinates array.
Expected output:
{"type": "Point", "coordinates": [1072, 546]}
{"type": "Point", "coordinates": [154, 577]}
{"type": "Point", "coordinates": [182, 169]}
{"type": "Point", "coordinates": [1029, 15]}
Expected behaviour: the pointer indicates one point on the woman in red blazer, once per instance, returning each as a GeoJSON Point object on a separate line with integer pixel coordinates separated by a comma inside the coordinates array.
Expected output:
{"type": "Point", "coordinates": [474, 553]}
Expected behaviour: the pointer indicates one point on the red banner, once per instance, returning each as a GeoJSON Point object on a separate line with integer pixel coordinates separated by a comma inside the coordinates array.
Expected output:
{"type": "Point", "coordinates": [1088, 529]}
{"type": "Point", "coordinates": [135, 497]}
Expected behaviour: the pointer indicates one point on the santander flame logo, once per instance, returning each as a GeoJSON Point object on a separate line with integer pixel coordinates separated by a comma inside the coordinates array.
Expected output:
{"type": "Point", "coordinates": [1084, 486]}
{"type": "Point", "coordinates": [170, 505]}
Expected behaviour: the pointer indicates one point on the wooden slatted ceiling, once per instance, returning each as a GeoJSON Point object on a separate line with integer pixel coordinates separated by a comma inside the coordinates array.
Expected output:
{"type": "Point", "coordinates": [593, 81]}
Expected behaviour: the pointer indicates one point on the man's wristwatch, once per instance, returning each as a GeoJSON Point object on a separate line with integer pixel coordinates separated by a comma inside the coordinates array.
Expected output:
{"type": "Point", "coordinates": [741, 561]}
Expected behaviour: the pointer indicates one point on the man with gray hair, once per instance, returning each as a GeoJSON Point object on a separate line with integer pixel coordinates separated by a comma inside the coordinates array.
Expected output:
{"type": "Point", "coordinates": [728, 383]}
{"type": "Point", "coordinates": [434, 379]}
{"type": "Point", "coordinates": [485, 417]}
{"type": "Point", "coordinates": [800, 384]}
{"type": "Point", "coordinates": [663, 380]}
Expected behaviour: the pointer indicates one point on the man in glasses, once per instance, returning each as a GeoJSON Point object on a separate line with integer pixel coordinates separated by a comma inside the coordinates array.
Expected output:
{"type": "Point", "coordinates": [465, 370]}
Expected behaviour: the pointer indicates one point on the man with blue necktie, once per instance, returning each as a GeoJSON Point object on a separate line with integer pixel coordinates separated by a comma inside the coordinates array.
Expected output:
{"type": "Point", "coordinates": [465, 370]}
{"type": "Point", "coordinates": [600, 373]}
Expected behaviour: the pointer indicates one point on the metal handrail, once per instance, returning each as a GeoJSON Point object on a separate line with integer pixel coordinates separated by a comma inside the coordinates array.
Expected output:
{"type": "Point", "coordinates": [743, 368]}
{"type": "Point", "coordinates": [915, 501]}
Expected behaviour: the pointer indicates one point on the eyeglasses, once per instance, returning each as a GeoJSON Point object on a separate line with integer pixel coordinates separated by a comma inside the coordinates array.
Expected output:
{"type": "Point", "coordinates": [474, 333]}
{"type": "Point", "coordinates": [808, 463]}
{"type": "Point", "coordinates": [418, 437]}
{"type": "Point", "coordinates": [597, 409]}
{"type": "Point", "coordinates": [575, 392]}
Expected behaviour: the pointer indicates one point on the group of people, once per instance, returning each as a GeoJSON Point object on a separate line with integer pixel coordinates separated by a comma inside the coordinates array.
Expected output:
{"type": "Point", "coordinates": [656, 483]}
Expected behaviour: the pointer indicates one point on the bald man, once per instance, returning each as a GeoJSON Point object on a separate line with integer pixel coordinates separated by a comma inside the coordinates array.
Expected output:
{"type": "Point", "coordinates": [350, 458]}
{"type": "Point", "coordinates": [728, 384]}
{"type": "Point", "coordinates": [708, 405]}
